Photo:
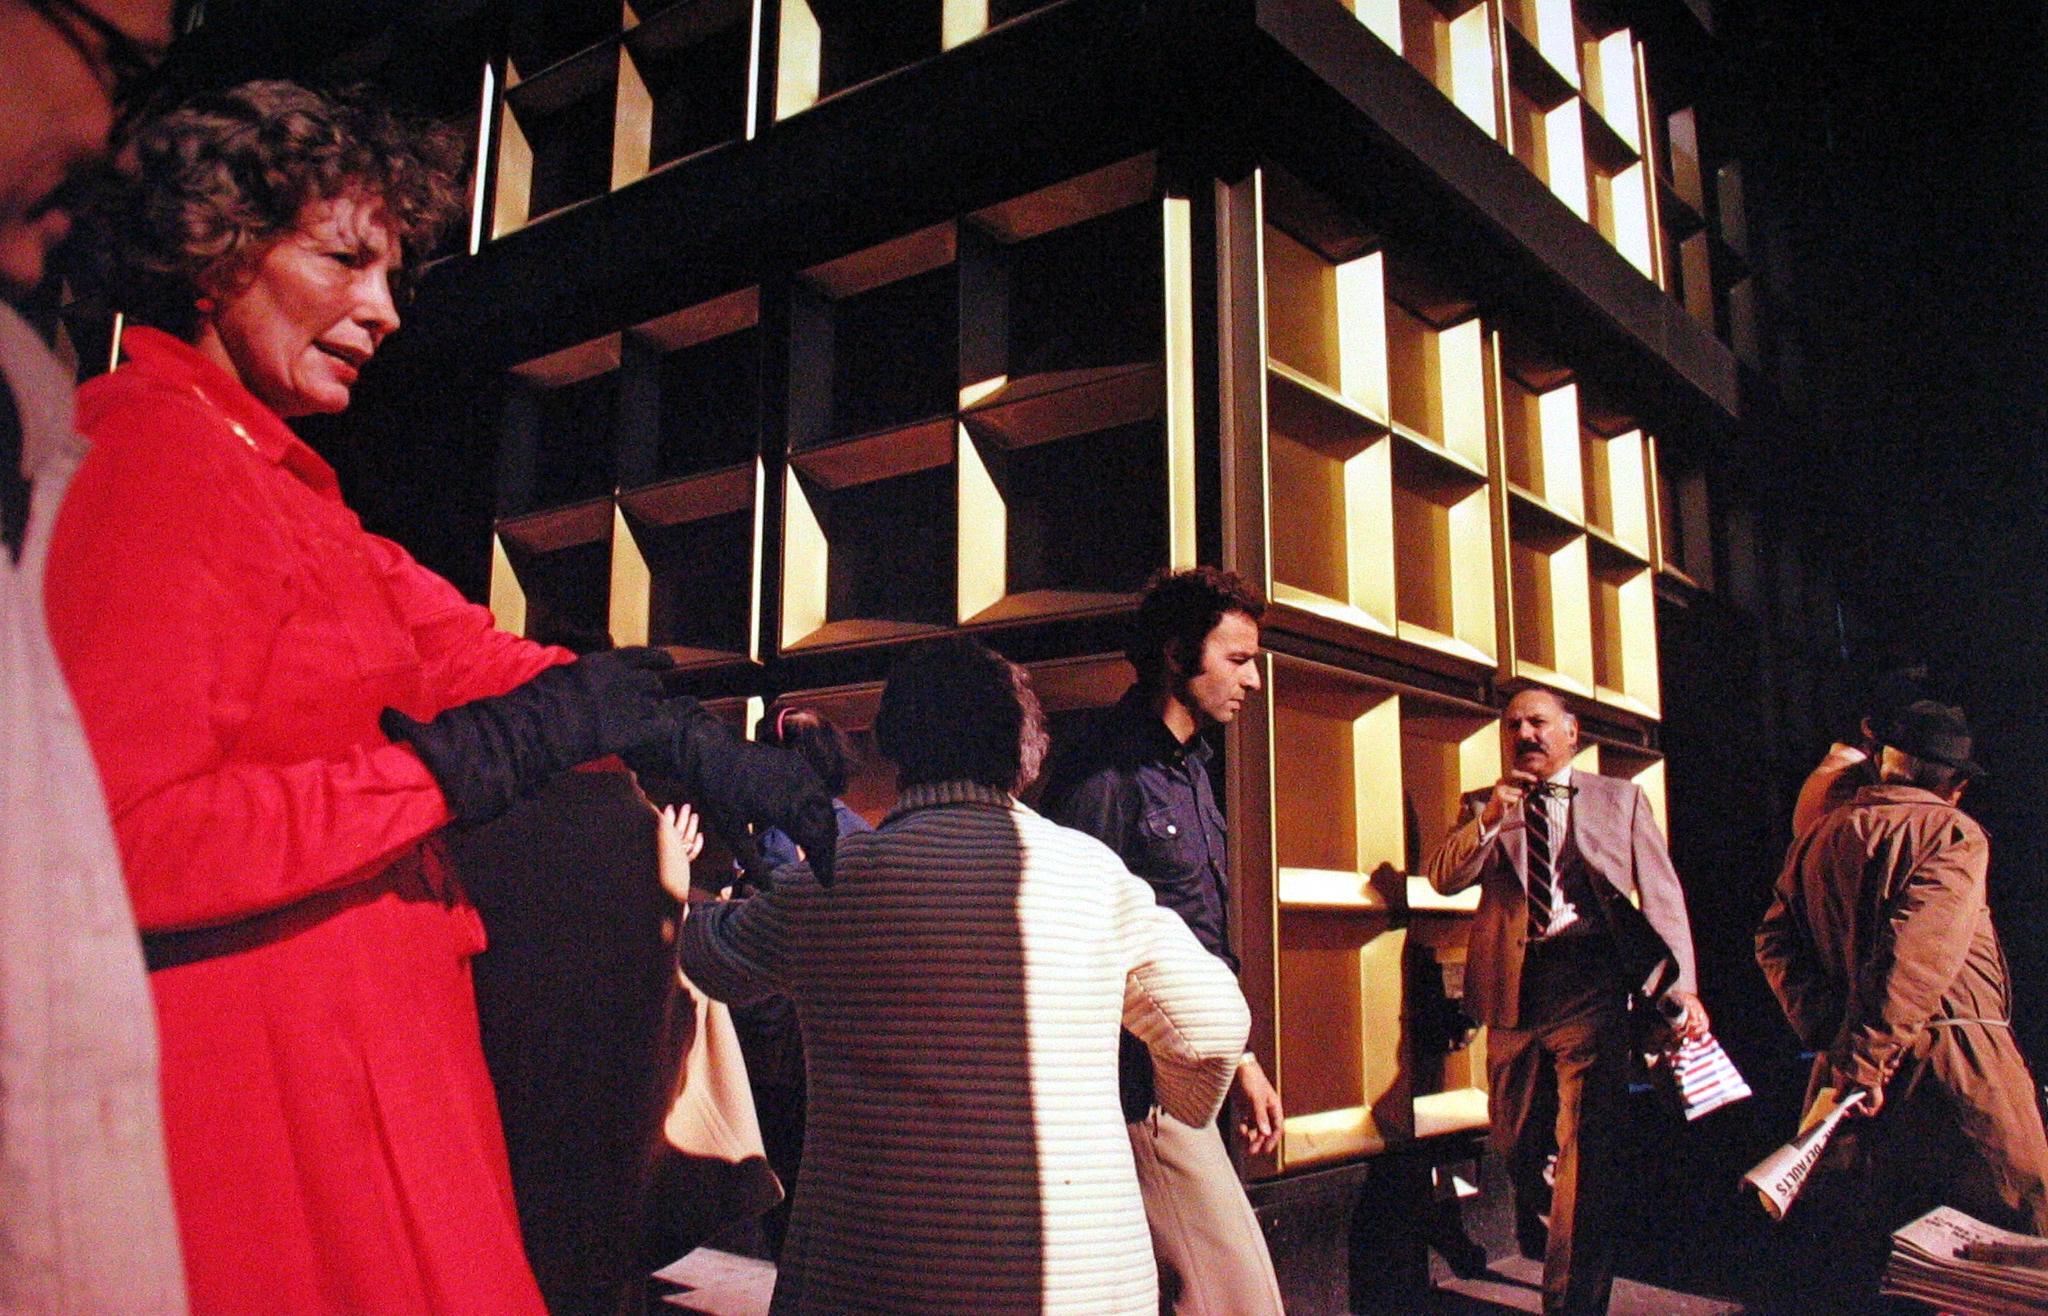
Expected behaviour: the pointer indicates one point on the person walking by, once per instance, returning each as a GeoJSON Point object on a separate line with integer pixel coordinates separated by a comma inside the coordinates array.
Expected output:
{"type": "Point", "coordinates": [960, 989]}
{"type": "Point", "coordinates": [1555, 852]}
{"type": "Point", "coordinates": [1850, 765]}
{"type": "Point", "coordinates": [314, 709]}
{"type": "Point", "coordinates": [767, 1028]}
{"type": "Point", "coordinates": [1138, 780]}
{"type": "Point", "coordinates": [85, 1205]}
{"type": "Point", "coordinates": [1880, 946]}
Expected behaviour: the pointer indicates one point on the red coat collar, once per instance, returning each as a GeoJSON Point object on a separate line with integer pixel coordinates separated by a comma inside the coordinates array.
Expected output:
{"type": "Point", "coordinates": [181, 365]}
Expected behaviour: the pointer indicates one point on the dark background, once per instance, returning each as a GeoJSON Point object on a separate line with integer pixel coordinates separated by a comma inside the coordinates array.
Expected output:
{"type": "Point", "coordinates": [1903, 149]}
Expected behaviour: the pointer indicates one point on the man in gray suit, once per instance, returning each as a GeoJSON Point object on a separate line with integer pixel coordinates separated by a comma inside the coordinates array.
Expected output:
{"type": "Point", "coordinates": [1553, 849]}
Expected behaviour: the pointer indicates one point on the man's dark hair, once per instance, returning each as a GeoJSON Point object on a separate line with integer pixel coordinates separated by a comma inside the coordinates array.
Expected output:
{"type": "Point", "coordinates": [957, 710]}
{"type": "Point", "coordinates": [1178, 611]}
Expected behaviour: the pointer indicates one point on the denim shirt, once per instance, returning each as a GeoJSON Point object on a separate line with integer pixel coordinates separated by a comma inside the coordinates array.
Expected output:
{"type": "Point", "coordinates": [1130, 783]}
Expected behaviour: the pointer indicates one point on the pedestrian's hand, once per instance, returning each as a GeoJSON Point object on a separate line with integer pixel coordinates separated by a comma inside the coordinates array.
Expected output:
{"type": "Point", "coordinates": [738, 785]}
{"type": "Point", "coordinates": [1508, 793]}
{"type": "Point", "coordinates": [1873, 1100]}
{"type": "Point", "coordinates": [1693, 1023]}
{"type": "Point", "coordinates": [1260, 1114]}
{"type": "Point", "coordinates": [678, 842]}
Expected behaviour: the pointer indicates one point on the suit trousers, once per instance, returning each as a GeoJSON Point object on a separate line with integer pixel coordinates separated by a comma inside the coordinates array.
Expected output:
{"type": "Point", "coordinates": [1212, 1257]}
{"type": "Point", "coordinates": [1560, 1083]}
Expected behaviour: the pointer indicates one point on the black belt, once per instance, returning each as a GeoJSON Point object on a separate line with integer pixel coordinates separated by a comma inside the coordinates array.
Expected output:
{"type": "Point", "coordinates": [170, 950]}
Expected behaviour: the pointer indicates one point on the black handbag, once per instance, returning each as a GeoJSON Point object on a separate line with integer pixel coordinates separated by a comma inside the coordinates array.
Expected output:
{"type": "Point", "coordinates": [1643, 961]}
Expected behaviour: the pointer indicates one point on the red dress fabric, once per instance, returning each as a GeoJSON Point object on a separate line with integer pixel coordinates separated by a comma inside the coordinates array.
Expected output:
{"type": "Point", "coordinates": [230, 633]}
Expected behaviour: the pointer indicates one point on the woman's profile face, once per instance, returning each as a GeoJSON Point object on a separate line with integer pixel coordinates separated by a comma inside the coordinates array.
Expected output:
{"type": "Point", "coordinates": [299, 326]}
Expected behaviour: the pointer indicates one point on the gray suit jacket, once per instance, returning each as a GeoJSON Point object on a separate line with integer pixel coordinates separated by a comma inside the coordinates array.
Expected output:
{"type": "Point", "coordinates": [1613, 835]}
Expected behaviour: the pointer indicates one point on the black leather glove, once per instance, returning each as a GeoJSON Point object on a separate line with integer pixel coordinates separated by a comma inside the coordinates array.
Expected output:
{"type": "Point", "coordinates": [490, 753]}
{"type": "Point", "coordinates": [735, 783]}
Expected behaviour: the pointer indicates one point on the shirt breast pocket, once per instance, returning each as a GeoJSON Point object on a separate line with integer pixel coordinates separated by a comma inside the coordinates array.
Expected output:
{"type": "Point", "coordinates": [1167, 840]}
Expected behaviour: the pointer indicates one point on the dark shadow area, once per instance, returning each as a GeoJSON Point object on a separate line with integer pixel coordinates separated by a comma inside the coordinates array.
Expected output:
{"type": "Point", "coordinates": [1088, 295]}
{"type": "Point", "coordinates": [1905, 190]}
{"type": "Point", "coordinates": [698, 595]}
{"type": "Point", "coordinates": [710, 405]}
{"type": "Point", "coordinates": [1730, 789]}
{"type": "Point", "coordinates": [892, 545]}
{"type": "Point", "coordinates": [582, 1028]}
{"type": "Point", "coordinates": [1692, 1271]}
{"type": "Point", "coordinates": [1086, 513]}
{"type": "Point", "coordinates": [893, 353]}
{"type": "Point", "coordinates": [863, 42]}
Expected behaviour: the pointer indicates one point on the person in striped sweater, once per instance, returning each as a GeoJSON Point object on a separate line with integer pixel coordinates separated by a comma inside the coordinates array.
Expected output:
{"type": "Point", "coordinates": [960, 989]}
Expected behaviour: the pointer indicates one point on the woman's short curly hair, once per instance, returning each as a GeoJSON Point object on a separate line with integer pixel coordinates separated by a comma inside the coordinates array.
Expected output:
{"type": "Point", "coordinates": [226, 174]}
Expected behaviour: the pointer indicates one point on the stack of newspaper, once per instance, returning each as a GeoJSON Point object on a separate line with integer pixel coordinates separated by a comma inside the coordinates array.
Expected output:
{"type": "Point", "coordinates": [1958, 1264]}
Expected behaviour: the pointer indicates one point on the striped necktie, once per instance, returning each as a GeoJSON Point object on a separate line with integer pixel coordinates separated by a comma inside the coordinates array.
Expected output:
{"type": "Point", "coordinates": [1542, 864]}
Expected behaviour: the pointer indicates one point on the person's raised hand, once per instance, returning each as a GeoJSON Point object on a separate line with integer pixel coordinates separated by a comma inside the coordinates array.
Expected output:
{"type": "Point", "coordinates": [1508, 793]}
{"type": "Point", "coordinates": [738, 785]}
{"type": "Point", "coordinates": [678, 841]}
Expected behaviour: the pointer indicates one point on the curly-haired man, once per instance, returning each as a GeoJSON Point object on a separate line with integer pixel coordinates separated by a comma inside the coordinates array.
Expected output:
{"type": "Point", "coordinates": [1138, 780]}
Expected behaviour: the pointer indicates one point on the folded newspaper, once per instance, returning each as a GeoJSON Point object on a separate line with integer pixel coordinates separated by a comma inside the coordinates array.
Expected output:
{"type": "Point", "coordinates": [1778, 1177]}
{"type": "Point", "coordinates": [1707, 1078]}
{"type": "Point", "coordinates": [1959, 1264]}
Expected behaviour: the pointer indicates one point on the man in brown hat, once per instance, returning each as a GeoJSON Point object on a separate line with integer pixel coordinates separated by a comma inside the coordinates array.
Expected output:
{"type": "Point", "coordinates": [1850, 765]}
{"type": "Point", "coordinates": [1880, 948]}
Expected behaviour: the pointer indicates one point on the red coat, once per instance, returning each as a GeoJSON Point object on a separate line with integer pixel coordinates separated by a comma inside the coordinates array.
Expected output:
{"type": "Point", "coordinates": [230, 633]}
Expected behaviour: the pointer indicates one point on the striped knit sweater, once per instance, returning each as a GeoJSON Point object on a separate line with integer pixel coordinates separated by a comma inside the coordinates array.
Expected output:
{"type": "Point", "coordinates": [960, 989]}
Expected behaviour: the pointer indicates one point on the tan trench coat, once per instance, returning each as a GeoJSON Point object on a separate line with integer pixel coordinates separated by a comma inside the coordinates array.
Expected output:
{"type": "Point", "coordinates": [85, 1205]}
{"type": "Point", "coordinates": [1880, 947]}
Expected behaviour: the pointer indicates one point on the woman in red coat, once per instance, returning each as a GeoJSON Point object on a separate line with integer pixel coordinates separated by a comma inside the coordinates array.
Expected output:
{"type": "Point", "coordinates": [233, 638]}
